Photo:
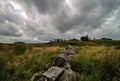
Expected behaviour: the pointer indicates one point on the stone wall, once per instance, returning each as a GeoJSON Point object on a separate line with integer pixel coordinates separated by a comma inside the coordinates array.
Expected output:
{"type": "Point", "coordinates": [60, 70]}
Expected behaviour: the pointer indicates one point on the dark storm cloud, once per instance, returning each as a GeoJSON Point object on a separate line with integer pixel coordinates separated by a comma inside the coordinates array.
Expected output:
{"type": "Point", "coordinates": [44, 20]}
{"type": "Point", "coordinates": [91, 13]}
{"type": "Point", "coordinates": [9, 30]}
{"type": "Point", "coordinates": [12, 18]}
{"type": "Point", "coordinates": [46, 6]}
{"type": "Point", "coordinates": [8, 21]}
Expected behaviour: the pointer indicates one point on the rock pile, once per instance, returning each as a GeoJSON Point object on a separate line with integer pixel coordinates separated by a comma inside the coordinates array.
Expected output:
{"type": "Point", "coordinates": [60, 70]}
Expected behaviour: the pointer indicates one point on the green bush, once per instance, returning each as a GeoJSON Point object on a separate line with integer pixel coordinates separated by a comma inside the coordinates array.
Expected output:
{"type": "Point", "coordinates": [84, 38]}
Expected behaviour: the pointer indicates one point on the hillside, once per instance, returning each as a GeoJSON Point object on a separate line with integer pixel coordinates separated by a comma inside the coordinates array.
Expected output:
{"type": "Point", "coordinates": [95, 60]}
{"type": "Point", "coordinates": [83, 43]}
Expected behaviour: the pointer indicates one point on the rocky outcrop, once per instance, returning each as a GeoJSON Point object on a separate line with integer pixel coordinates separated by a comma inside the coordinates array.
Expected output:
{"type": "Point", "coordinates": [60, 70]}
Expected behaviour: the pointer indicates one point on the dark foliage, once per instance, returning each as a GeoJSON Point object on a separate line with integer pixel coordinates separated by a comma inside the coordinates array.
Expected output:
{"type": "Point", "coordinates": [106, 39]}
{"type": "Point", "coordinates": [85, 38]}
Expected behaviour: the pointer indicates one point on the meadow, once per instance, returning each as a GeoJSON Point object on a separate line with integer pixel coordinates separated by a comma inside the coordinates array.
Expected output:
{"type": "Point", "coordinates": [95, 60]}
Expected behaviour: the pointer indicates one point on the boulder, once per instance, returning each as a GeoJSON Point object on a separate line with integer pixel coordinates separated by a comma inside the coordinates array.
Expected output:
{"type": "Point", "coordinates": [70, 51]}
{"type": "Point", "coordinates": [68, 75]}
{"type": "Point", "coordinates": [61, 51]}
{"type": "Point", "coordinates": [38, 77]}
{"type": "Point", "coordinates": [60, 60]}
{"type": "Point", "coordinates": [53, 73]}
{"type": "Point", "coordinates": [69, 47]}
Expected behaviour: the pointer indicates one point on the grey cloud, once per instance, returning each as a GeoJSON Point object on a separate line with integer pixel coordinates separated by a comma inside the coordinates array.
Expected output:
{"type": "Point", "coordinates": [9, 30]}
{"type": "Point", "coordinates": [7, 25]}
{"type": "Point", "coordinates": [45, 6]}
{"type": "Point", "coordinates": [12, 18]}
{"type": "Point", "coordinates": [109, 5]}
{"type": "Point", "coordinates": [88, 17]}
{"type": "Point", "coordinates": [8, 13]}
{"type": "Point", "coordinates": [49, 19]}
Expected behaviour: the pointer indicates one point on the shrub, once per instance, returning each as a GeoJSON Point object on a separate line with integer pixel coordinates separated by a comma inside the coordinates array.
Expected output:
{"type": "Point", "coordinates": [85, 38]}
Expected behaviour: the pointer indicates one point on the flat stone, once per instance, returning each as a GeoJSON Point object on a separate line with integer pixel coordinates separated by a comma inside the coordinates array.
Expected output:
{"type": "Point", "coordinates": [53, 73]}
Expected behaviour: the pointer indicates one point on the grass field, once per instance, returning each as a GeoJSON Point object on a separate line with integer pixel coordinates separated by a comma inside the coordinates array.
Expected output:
{"type": "Point", "coordinates": [95, 60]}
{"type": "Point", "coordinates": [97, 63]}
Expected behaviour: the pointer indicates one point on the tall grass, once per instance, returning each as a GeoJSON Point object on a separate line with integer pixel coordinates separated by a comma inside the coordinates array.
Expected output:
{"type": "Point", "coordinates": [97, 64]}
{"type": "Point", "coordinates": [21, 67]}
{"type": "Point", "coordinates": [92, 63]}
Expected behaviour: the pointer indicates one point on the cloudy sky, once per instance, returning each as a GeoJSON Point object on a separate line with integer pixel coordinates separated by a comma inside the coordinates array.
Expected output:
{"type": "Point", "coordinates": [44, 20]}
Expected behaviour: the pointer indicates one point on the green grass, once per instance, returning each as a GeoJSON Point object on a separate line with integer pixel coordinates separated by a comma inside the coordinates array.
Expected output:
{"type": "Point", "coordinates": [83, 43]}
{"type": "Point", "coordinates": [97, 63]}
{"type": "Point", "coordinates": [21, 67]}
{"type": "Point", "coordinates": [95, 60]}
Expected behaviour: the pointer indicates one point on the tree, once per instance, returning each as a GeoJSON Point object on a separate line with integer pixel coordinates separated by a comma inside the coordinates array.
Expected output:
{"type": "Point", "coordinates": [85, 38]}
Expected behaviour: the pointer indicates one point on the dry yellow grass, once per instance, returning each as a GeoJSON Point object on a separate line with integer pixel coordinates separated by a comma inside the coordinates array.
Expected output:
{"type": "Point", "coordinates": [97, 63]}
{"type": "Point", "coordinates": [43, 50]}
{"type": "Point", "coordinates": [35, 59]}
{"type": "Point", "coordinates": [96, 52]}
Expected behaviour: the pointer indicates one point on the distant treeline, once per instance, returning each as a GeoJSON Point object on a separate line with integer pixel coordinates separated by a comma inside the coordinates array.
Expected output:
{"type": "Point", "coordinates": [82, 38]}
{"type": "Point", "coordinates": [72, 41]}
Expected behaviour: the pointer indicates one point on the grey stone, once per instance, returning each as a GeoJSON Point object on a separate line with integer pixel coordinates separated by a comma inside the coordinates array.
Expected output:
{"type": "Point", "coordinates": [68, 75]}
{"type": "Point", "coordinates": [70, 53]}
{"type": "Point", "coordinates": [38, 77]}
{"type": "Point", "coordinates": [69, 47]}
{"type": "Point", "coordinates": [67, 66]}
{"type": "Point", "coordinates": [61, 51]}
{"type": "Point", "coordinates": [60, 60]}
{"type": "Point", "coordinates": [53, 73]}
